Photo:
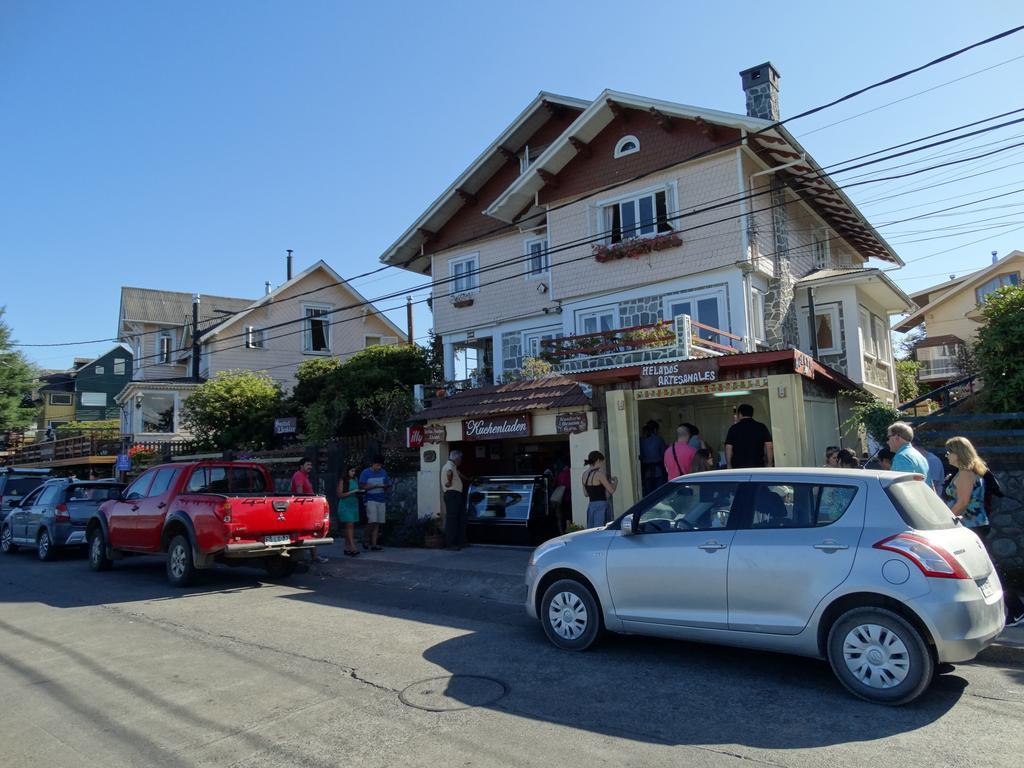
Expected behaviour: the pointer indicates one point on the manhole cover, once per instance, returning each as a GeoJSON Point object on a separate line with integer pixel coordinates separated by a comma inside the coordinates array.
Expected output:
{"type": "Point", "coordinates": [445, 694]}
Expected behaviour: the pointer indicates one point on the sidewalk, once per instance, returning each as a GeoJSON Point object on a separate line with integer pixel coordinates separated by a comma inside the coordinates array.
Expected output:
{"type": "Point", "coordinates": [498, 573]}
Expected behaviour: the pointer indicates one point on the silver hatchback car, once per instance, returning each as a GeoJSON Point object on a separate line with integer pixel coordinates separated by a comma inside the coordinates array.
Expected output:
{"type": "Point", "coordinates": [867, 569]}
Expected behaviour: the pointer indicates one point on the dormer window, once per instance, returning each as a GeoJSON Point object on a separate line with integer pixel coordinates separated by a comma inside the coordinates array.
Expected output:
{"type": "Point", "coordinates": [627, 145]}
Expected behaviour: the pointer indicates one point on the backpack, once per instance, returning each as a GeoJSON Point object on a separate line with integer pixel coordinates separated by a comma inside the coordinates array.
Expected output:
{"type": "Point", "coordinates": [992, 488]}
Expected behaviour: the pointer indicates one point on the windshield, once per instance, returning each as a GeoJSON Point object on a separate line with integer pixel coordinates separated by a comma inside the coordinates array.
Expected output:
{"type": "Point", "coordinates": [918, 505]}
{"type": "Point", "coordinates": [19, 486]}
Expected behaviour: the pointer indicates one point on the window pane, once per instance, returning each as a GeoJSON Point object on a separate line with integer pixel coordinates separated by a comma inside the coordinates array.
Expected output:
{"type": "Point", "coordinates": [49, 496]}
{"type": "Point", "coordinates": [833, 501]}
{"type": "Point", "coordinates": [707, 313]}
{"type": "Point", "coordinates": [612, 223]}
{"type": "Point", "coordinates": [607, 322]}
{"type": "Point", "coordinates": [661, 209]}
{"type": "Point", "coordinates": [689, 507]}
{"type": "Point", "coordinates": [682, 308]}
{"type": "Point", "coordinates": [647, 215]}
{"type": "Point", "coordinates": [823, 331]}
{"type": "Point", "coordinates": [157, 413]}
{"type": "Point", "coordinates": [162, 482]}
{"type": "Point", "coordinates": [628, 214]}
{"type": "Point", "coordinates": [138, 489]}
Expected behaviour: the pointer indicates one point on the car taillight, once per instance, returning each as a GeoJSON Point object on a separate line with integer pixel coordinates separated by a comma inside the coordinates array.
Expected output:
{"type": "Point", "coordinates": [62, 515]}
{"type": "Point", "coordinates": [225, 511]}
{"type": "Point", "coordinates": [932, 559]}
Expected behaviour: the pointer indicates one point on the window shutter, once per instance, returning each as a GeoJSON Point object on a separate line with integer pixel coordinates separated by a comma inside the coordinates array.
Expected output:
{"type": "Point", "coordinates": [672, 206]}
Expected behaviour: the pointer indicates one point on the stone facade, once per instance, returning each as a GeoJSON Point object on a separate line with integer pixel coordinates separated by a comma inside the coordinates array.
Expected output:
{"type": "Point", "coordinates": [780, 316]}
{"type": "Point", "coordinates": [511, 351]}
{"type": "Point", "coordinates": [1006, 539]}
{"type": "Point", "coordinates": [763, 101]}
{"type": "Point", "coordinates": [643, 311]}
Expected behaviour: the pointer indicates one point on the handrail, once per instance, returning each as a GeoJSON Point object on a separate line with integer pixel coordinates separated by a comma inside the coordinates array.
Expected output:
{"type": "Point", "coordinates": [938, 391]}
{"type": "Point", "coordinates": [716, 331]}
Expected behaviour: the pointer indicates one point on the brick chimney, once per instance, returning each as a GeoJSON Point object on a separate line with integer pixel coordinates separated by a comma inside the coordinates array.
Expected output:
{"type": "Point", "coordinates": [761, 85]}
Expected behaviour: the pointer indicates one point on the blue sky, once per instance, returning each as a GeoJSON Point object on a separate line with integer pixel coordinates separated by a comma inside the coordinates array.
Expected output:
{"type": "Point", "coordinates": [186, 145]}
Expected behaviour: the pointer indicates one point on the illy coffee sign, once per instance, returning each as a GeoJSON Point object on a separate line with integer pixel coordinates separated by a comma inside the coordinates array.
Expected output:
{"type": "Point", "coordinates": [496, 428]}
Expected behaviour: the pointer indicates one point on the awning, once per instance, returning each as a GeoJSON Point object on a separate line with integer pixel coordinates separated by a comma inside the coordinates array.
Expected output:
{"type": "Point", "coordinates": [514, 397]}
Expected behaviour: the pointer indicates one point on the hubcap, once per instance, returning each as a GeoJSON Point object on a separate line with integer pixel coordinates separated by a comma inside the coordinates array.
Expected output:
{"type": "Point", "coordinates": [44, 543]}
{"type": "Point", "coordinates": [96, 549]}
{"type": "Point", "coordinates": [876, 656]}
{"type": "Point", "coordinates": [178, 562]}
{"type": "Point", "coordinates": [568, 615]}
{"type": "Point", "coordinates": [5, 538]}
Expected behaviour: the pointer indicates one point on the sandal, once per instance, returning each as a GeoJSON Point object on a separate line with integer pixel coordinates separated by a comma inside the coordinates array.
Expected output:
{"type": "Point", "coordinates": [352, 552]}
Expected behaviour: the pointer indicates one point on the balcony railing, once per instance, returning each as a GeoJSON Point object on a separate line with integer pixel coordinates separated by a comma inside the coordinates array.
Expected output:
{"type": "Point", "coordinates": [936, 369]}
{"type": "Point", "coordinates": [679, 339]}
{"type": "Point", "coordinates": [80, 446]}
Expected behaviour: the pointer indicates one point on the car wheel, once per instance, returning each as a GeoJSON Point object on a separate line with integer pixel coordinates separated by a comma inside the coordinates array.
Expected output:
{"type": "Point", "coordinates": [181, 568]}
{"type": "Point", "coordinates": [44, 547]}
{"type": "Point", "coordinates": [7, 545]}
{"type": "Point", "coordinates": [98, 559]}
{"type": "Point", "coordinates": [279, 567]}
{"type": "Point", "coordinates": [880, 656]}
{"type": "Point", "coordinates": [570, 616]}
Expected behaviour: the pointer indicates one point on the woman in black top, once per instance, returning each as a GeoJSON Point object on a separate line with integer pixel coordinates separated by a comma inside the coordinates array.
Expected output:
{"type": "Point", "coordinates": [598, 488]}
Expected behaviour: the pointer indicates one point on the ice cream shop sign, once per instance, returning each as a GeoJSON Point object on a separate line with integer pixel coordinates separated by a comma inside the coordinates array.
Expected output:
{"type": "Point", "coordinates": [496, 428]}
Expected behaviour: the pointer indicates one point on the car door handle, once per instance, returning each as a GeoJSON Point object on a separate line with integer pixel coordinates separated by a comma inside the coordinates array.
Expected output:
{"type": "Point", "coordinates": [830, 546]}
{"type": "Point", "coordinates": [135, 507]}
{"type": "Point", "coordinates": [161, 505]}
{"type": "Point", "coordinates": [710, 546]}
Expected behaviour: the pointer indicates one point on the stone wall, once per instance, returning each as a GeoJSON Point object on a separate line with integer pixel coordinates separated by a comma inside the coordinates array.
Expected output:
{"type": "Point", "coordinates": [643, 311]}
{"type": "Point", "coordinates": [780, 316]}
{"type": "Point", "coordinates": [1006, 539]}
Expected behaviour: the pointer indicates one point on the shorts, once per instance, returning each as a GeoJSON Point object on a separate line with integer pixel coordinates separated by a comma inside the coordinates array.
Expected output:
{"type": "Point", "coordinates": [375, 511]}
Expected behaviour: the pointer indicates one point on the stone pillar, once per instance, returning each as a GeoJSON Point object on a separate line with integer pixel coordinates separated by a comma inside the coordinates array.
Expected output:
{"type": "Point", "coordinates": [761, 86]}
{"type": "Point", "coordinates": [781, 329]}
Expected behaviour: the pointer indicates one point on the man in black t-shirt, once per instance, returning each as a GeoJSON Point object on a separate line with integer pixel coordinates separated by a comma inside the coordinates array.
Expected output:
{"type": "Point", "coordinates": [748, 443]}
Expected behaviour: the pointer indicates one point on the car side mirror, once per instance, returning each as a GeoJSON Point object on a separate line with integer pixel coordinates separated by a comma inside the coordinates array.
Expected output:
{"type": "Point", "coordinates": [626, 526]}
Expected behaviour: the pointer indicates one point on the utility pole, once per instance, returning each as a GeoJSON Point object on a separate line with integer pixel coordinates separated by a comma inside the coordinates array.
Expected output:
{"type": "Point", "coordinates": [814, 328]}
{"type": "Point", "coordinates": [408, 318]}
{"type": "Point", "coordinates": [196, 346]}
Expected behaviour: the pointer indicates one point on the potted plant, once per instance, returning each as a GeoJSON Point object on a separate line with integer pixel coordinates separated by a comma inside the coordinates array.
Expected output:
{"type": "Point", "coordinates": [433, 535]}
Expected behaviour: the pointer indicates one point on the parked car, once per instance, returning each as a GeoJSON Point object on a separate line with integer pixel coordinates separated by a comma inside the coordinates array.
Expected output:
{"type": "Point", "coordinates": [867, 569]}
{"type": "Point", "coordinates": [16, 482]}
{"type": "Point", "coordinates": [55, 515]}
{"type": "Point", "coordinates": [202, 513]}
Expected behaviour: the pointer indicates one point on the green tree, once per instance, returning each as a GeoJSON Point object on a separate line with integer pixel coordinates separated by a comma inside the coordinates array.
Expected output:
{"type": "Point", "coordinates": [328, 393]}
{"type": "Point", "coordinates": [870, 413]}
{"type": "Point", "coordinates": [1000, 350]}
{"type": "Point", "coordinates": [907, 385]}
{"type": "Point", "coordinates": [235, 409]}
{"type": "Point", "coordinates": [17, 377]}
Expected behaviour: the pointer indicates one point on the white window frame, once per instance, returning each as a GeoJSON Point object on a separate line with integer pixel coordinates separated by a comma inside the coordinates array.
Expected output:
{"type": "Point", "coordinates": [307, 328]}
{"type": "Point", "coordinates": [583, 315]}
{"type": "Point", "coordinates": [471, 278]}
{"type": "Point", "coordinates": [757, 318]}
{"type": "Point", "coordinates": [99, 370]}
{"type": "Point", "coordinates": [604, 216]}
{"type": "Point", "coordinates": [368, 336]}
{"type": "Point", "coordinates": [534, 337]}
{"type": "Point", "coordinates": [880, 334]}
{"type": "Point", "coordinates": [821, 248]}
{"type": "Point", "coordinates": [621, 143]}
{"type": "Point", "coordinates": [165, 356]}
{"type": "Point", "coordinates": [545, 258]}
{"type": "Point", "coordinates": [94, 399]}
{"type": "Point", "coordinates": [70, 396]}
{"type": "Point", "coordinates": [693, 296]}
{"type": "Point", "coordinates": [174, 419]}
{"type": "Point", "coordinates": [819, 311]}
{"type": "Point", "coordinates": [255, 338]}
{"type": "Point", "coordinates": [874, 336]}
{"type": "Point", "coordinates": [120, 366]}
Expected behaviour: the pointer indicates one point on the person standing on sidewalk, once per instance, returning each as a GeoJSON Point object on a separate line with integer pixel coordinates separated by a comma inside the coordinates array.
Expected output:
{"type": "Point", "coordinates": [652, 452]}
{"type": "Point", "coordinates": [375, 482]}
{"type": "Point", "coordinates": [598, 488]}
{"type": "Point", "coordinates": [906, 458]}
{"type": "Point", "coordinates": [748, 443]}
{"type": "Point", "coordinates": [678, 457]}
{"type": "Point", "coordinates": [348, 508]}
{"type": "Point", "coordinates": [301, 485]}
{"type": "Point", "coordinates": [452, 481]}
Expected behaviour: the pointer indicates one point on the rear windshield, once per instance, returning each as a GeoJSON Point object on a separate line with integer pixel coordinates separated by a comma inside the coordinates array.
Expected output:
{"type": "Point", "coordinates": [227, 480]}
{"type": "Point", "coordinates": [19, 486]}
{"type": "Point", "coordinates": [94, 492]}
{"type": "Point", "coordinates": [919, 507]}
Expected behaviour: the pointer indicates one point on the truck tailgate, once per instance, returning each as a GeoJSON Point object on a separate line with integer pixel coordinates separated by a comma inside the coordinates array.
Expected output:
{"type": "Point", "coordinates": [254, 517]}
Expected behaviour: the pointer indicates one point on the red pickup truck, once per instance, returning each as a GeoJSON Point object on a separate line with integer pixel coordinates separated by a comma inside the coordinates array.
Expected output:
{"type": "Point", "coordinates": [205, 512]}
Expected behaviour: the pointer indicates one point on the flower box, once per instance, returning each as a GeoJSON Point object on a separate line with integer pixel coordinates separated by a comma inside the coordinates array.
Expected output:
{"type": "Point", "coordinates": [635, 247]}
{"type": "Point", "coordinates": [460, 300]}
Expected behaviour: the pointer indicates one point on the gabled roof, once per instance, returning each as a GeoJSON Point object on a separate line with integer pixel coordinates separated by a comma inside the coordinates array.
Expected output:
{"type": "Point", "coordinates": [873, 282]}
{"type": "Point", "coordinates": [357, 297]}
{"type": "Point", "coordinates": [969, 281]}
{"type": "Point", "coordinates": [772, 142]}
{"type": "Point", "coordinates": [938, 341]}
{"type": "Point", "coordinates": [404, 251]}
{"type": "Point", "coordinates": [514, 397]}
{"type": "Point", "coordinates": [173, 308]}
{"type": "Point", "coordinates": [916, 295]}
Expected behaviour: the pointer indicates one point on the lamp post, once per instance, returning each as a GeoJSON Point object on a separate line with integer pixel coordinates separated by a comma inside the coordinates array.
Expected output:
{"type": "Point", "coordinates": [196, 346]}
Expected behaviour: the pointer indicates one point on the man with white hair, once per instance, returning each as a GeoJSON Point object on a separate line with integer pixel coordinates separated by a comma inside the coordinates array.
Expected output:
{"type": "Point", "coordinates": [907, 458]}
{"type": "Point", "coordinates": [452, 481]}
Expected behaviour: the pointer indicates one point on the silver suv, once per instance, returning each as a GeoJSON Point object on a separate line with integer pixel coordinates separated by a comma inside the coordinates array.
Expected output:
{"type": "Point", "coordinates": [865, 568]}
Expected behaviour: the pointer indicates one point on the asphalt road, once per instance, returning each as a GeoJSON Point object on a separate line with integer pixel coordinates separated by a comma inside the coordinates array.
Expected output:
{"type": "Point", "coordinates": [118, 669]}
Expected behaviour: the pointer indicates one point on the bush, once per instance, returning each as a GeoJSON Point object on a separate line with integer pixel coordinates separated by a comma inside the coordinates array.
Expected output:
{"type": "Point", "coordinates": [235, 409]}
{"type": "Point", "coordinates": [1000, 350]}
{"type": "Point", "coordinates": [871, 414]}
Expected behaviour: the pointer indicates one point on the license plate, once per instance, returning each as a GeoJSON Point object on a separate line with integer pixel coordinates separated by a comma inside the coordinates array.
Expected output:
{"type": "Point", "coordinates": [986, 588]}
{"type": "Point", "coordinates": [277, 539]}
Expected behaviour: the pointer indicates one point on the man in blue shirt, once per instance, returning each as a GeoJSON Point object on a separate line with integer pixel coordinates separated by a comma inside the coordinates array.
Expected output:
{"type": "Point", "coordinates": [899, 437]}
{"type": "Point", "coordinates": [652, 449]}
{"type": "Point", "coordinates": [375, 482]}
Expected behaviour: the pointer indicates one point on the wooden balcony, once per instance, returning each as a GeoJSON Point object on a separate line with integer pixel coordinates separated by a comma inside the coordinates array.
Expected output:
{"type": "Point", "coordinates": [96, 448]}
{"type": "Point", "coordinates": [680, 339]}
